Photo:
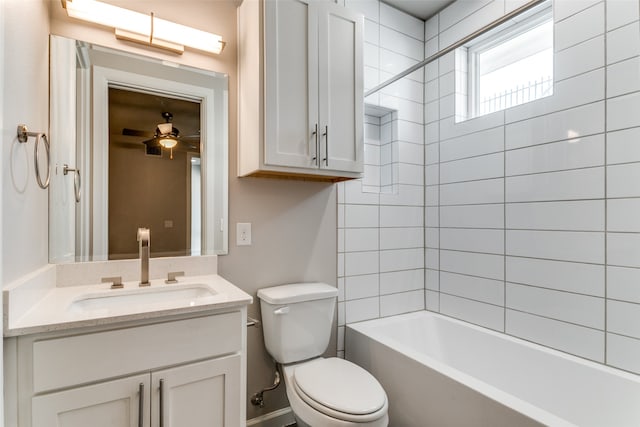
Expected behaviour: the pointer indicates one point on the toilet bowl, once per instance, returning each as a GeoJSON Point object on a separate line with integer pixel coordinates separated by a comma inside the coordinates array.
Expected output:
{"type": "Point", "coordinates": [334, 393]}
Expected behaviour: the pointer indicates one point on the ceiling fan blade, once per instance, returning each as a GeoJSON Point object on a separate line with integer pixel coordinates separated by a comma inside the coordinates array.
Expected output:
{"type": "Point", "coordinates": [135, 132]}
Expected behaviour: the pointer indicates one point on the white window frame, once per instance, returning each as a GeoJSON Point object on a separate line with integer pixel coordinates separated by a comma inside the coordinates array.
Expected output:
{"type": "Point", "coordinates": [517, 26]}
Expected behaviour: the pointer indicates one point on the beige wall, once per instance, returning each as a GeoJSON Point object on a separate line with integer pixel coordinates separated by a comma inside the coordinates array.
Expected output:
{"type": "Point", "coordinates": [294, 222]}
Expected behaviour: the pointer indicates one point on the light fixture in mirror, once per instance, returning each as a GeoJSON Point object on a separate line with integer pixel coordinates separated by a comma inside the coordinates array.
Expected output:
{"type": "Point", "coordinates": [115, 116]}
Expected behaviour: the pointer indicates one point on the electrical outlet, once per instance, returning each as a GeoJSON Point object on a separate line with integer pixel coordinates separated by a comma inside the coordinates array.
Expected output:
{"type": "Point", "coordinates": [243, 233]}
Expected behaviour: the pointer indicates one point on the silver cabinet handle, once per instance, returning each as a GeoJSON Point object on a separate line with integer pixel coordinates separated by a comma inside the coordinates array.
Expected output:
{"type": "Point", "coordinates": [141, 405]}
{"type": "Point", "coordinates": [315, 133]}
{"type": "Point", "coordinates": [76, 180]}
{"type": "Point", "coordinates": [326, 145]}
{"type": "Point", "coordinates": [161, 403]}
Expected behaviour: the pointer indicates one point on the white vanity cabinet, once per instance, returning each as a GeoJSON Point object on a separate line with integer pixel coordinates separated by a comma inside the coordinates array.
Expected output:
{"type": "Point", "coordinates": [183, 372]}
{"type": "Point", "coordinates": [300, 89]}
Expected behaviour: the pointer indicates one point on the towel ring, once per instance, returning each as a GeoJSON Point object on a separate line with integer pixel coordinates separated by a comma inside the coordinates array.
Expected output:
{"type": "Point", "coordinates": [23, 136]}
{"type": "Point", "coordinates": [35, 161]}
{"type": "Point", "coordinates": [76, 180]}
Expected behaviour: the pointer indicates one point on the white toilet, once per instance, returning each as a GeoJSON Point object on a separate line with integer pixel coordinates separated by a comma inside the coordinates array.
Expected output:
{"type": "Point", "coordinates": [322, 392]}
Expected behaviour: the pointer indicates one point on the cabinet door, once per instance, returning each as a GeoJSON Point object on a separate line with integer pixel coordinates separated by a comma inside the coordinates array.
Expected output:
{"type": "Point", "coordinates": [291, 83]}
{"type": "Point", "coordinates": [110, 404]}
{"type": "Point", "coordinates": [204, 394]}
{"type": "Point", "coordinates": [341, 96]}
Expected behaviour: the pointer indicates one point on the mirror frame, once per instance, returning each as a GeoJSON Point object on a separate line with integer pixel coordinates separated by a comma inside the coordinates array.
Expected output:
{"type": "Point", "coordinates": [91, 96]}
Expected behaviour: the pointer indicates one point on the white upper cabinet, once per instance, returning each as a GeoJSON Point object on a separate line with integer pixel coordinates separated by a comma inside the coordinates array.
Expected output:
{"type": "Point", "coordinates": [300, 90]}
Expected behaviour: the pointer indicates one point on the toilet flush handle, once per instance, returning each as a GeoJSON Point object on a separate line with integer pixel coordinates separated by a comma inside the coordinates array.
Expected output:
{"type": "Point", "coordinates": [281, 310]}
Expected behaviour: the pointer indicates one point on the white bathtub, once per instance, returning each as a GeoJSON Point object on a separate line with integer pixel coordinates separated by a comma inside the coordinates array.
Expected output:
{"type": "Point", "coordinates": [439, 372]}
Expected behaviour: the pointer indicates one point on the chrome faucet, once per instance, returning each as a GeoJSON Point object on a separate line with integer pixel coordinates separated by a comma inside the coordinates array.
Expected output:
{"type": "Point", "coordinates": [144, 243]}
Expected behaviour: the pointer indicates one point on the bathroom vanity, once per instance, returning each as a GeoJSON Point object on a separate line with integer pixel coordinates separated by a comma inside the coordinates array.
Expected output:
{"type": "Point", "coordinates": [163, 355]}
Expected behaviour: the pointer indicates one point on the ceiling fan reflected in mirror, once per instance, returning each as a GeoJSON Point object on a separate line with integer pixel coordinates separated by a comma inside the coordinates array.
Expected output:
{"type": "Point", "coordinates": [166, 136]}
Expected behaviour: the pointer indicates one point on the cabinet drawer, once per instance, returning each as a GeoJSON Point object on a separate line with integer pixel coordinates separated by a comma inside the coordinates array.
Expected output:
{"type": "Point", "coordinates": [67, 361]}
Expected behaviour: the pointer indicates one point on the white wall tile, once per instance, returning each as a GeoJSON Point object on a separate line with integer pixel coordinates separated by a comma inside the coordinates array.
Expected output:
{"type": "Point", "coordinates": [401, 259]}
{"type": "Point", "coordinates": [473, 216]}
{"type": "Point", "coordinates": [623, 352]}
{"type": "Point", "coordinates": [568, 307]}
{"type": "Point", "coordinates": [623, 77]}
{"type": "Point", "coordinates": [562, 9]}
{"type": "Point", "coordinates": [450, 129]}
{"type": "Point", "coordinates": [357, 263]}
{"type": "Point", "coordinates": [623, 284]}
{"type": "Point", "coordinates": [341, 290]}
{"type": "Point", "coordinates": [583, 215]}
{"type": "Point", "coordinates": [479, 313]}
{"type": "Point", "coordinates": [475, 168]}
{"type": "Point", "coordinates": [623, 215]}
{"type": "Point", "coordinates": [410, 174]}
{"type": "Point", "coordinates": [357, 287]}
{"type": "Point", "coordinates": [401, 281]}
{"type": "Point", "coordinates": [354, 195]}
{"type": "Point", "coordinates": [400, 21]}
{"type": "Point", "coordinates": [340, 339]}
{"type": "Point", "coordinates": [623, 249]}
{"type": "Point", "coordinates": [623, 146]}
{"type": "Point", "coordinates": [566, 185]}
{"type": "Point", "coordinates": [432, 258]}
{"type": "Point", "coordinates": [623, 43]}
{"type": "Point", "coordinates": [474, 144]}
{"type": "Point", "coordinates": [622, 180]}
{"type": "Point", "coordinates": [622, 111]}
{"type": "Point", "coordinates": [401, 43]}
{"type": "Point", "coordinates": [579, 27]}
{"type": "Point", "coordinates": [432, 279]}
{"type": "Point", "coordinates": [361, 239]}
{"type": "Point", "coordinates": [432, 27]}
{"type": "Point", "coordinates": [371, 55]}
{"type": "Point", "coordinates": [431, 195]}
{"type": "Point", "coordinates": [410, 153]}
{"type": "Point", "coordinates": [446, 85]}
{"type": "Point", "coordinates": [568, 124]}
{"type": "Point", "coordinates": [405, 302]}
{"type": "Point", "coordinates": [401, 216]}
{"type": "Point", "coordinates": [575, 277]}
{"type": "Point", "coordinates": [472, 240]}
{"type": "Point", "coordinates": [574, 339]}
{"type": "Point", "coordinates": [432, 301]}
{"type": "Point", "coordinates": [569, 93]}
{"type": "Point", "coordinates": [559, 245]}
{"type": "Point", "coordinates": [405, 88]}
{"type": "Point", "coordinates": [578, 59]}
{"type": "Point", "coordinates": [340, 265]}
{"type": "Point", "coordinates": [341, 314]}
{"type": "Point", "coordinates": [401, 238]}
{"type": "Point", "coordinates": [475, 288]}
{"type": "Point", "coordinates": [340, 239]}
{"type": "Point", "coordinates": [431, 217]}
{"type": "Point", "coordinates": [410, 132]}
{"type": "Point", "coordinates": [577, 153]}
{"type": "Point", "coordinates": [407, 195]}
{"type": "Point", "coordinates": [621, 12]}
{"type": "Point", "coordinates": [457, 11]}
{"type": "Point", "coordinates": [470, 23]}
{"type": "Point", "coordinates": [474, 264]}
{"type": "Point", "coordinates": [473, 192]}
{"type": "Point", "coordinates": [432, 236]}
{"type": "Point", "coordinates": [362, 309]}
{"type": "Point", "coordinates": [407, 110]}
{"type": "Point", "coordinates": [361, 216]}
{"type": "Point", "coordinates": [370, 9]}
{"type": "Point", "coordinates": [394, 63]}
{"type": "Point", "coordinates": [623, 318]}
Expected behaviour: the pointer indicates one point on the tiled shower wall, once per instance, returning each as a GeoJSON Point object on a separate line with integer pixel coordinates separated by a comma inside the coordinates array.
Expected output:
{"type": "Point", "coordinates": [533, 214]}
{"type": "Point", "coordinates": [381, 234]}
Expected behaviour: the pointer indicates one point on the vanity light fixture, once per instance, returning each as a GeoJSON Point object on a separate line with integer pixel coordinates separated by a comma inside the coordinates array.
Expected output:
{"type": "Point", "coordinates": [141, 28]}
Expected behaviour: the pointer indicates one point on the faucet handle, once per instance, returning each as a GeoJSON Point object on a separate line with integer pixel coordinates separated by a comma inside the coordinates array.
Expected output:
{"type": "Point", "coordinates": [171, 277]}
{"type": "Point", "coordinates": [116, 282]}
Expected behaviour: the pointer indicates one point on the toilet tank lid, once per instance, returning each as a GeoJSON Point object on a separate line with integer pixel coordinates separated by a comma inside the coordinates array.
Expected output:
{"type": "Point", "coordinates": [297, 292]}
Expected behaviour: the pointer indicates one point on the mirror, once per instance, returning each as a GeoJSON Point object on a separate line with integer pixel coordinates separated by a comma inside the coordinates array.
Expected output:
{"type": "Point", "coordinates": [135, 142]}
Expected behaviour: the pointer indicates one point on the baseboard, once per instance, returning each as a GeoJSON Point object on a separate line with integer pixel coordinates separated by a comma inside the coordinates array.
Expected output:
{"type": "Point", "coordinates": [280, 418]}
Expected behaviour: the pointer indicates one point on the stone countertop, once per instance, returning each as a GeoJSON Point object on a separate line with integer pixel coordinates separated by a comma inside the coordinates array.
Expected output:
{"type": "Point", "coordinates": [64, 308]}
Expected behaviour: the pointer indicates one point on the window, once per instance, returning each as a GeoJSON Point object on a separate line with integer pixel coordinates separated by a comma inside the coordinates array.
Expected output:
{"type": "Point", "coordinates": [510, 65]}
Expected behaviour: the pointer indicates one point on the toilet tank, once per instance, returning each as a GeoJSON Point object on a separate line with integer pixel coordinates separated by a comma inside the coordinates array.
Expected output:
{"type": "Point", "coordinates": [297, 320]}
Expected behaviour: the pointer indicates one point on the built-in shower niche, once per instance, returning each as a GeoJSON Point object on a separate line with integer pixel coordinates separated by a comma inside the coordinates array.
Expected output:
{"type": "Point", "coordinates": [380, 150]}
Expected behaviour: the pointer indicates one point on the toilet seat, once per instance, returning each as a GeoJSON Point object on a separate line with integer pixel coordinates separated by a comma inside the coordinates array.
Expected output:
{"type": "Point", "coordinates": [340, 389]}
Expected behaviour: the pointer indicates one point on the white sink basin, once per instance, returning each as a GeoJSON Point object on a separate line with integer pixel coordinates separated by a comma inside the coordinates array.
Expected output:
{"type": "Point", "coordinates": [183, 295]}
